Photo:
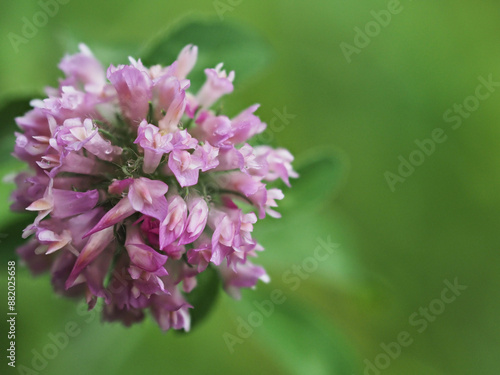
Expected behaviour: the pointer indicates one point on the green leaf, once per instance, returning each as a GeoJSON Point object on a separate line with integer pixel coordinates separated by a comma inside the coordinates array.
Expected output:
{"type": "Point", "coordinates": [307, 216]}
{"type": "Point", "coordinates": [10, 109]}
{"type": "Point", "coordinates": [241, 49]}
{"type": "Point", "coordinates": [11, 235]}
{"type": "Point", "coordinates": [321, 175]}
{"type": "Point", "coordinates": [204, 295]}
{"type": "Point", "coordinates": [11, 224]}
{"type": "Point", "coordinates": [304, 340]}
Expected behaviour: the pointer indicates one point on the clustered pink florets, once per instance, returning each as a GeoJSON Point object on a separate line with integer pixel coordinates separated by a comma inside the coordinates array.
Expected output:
{"type": "Point", "coordinates": [139, 186]}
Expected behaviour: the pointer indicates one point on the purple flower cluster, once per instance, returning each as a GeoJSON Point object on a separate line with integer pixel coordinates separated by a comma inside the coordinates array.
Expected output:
{"type": "Point", "coordinates": [139, 186]}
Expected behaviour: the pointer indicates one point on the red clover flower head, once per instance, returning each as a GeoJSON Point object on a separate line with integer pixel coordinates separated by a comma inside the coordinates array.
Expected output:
{"type": "Point", "coordinates": [139, 186]}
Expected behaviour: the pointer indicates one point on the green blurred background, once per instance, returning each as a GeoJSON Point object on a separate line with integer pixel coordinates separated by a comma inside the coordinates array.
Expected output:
{"type": "Point", "coordinates": [396, 248]}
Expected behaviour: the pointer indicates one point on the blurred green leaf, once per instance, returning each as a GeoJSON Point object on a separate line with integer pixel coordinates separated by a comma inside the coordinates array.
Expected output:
{"type": "Point", "coordinates": [241, 49]}
{"type": "Point", "coordinates": [204, 295]}
{"type": "Point", "coordinates": [9, 110]}
{"type": "Point", "coordinates": [302, 339]}
{"type": "Point", "coordinates": [11, 235]}
{"type": "Point", "coordinates": [10, 224]}
{"type": "Point", "coordinates": [321, 174]}
{"type": "Point", "coordinates": [12, 108]}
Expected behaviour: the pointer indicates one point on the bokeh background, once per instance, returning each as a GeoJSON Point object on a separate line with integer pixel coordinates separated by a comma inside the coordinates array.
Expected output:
{"type": "Point", "coordinates": [352, 120]}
